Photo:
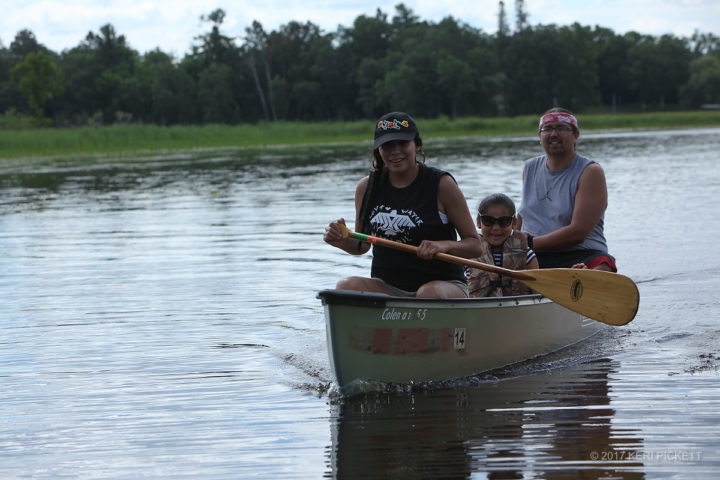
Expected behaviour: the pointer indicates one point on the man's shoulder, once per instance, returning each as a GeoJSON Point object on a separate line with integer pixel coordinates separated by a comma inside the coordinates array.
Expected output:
{"type": "Point", "coordinates": [584, 161]}
{"type": "Point", "coordinates": [534, 160]}
{"type": "Point", "coordinates": [532, 164]}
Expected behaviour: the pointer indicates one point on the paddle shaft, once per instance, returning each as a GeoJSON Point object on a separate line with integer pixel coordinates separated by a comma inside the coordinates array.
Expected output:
{"type": "Point", "coordinates": [441, 256]}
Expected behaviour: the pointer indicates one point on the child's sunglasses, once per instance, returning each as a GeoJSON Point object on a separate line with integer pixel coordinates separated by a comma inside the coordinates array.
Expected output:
{"type": "Point", "coordinates": [489, 221]}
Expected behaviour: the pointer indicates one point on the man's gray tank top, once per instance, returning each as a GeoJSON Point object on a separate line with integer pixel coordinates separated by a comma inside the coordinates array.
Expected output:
{"type": "Point", "coordinates": [548, 200]}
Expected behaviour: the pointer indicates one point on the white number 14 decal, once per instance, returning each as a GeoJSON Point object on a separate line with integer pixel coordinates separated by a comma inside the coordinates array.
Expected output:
{"type": "Point", "coordinates": [459, 339]}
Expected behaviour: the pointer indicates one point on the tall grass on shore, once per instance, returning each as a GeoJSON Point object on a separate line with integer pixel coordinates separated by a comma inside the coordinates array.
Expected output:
{"type": "Point", "coordinates": [150, 139]}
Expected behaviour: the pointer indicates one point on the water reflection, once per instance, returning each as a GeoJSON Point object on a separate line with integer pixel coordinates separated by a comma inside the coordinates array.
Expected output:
{"type": "Point", "coordinates": [553, 425]}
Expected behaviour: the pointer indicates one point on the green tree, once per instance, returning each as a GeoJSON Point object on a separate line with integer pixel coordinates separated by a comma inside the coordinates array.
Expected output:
{"type": "Point", "coordinates": [215, 95]}
{"type": "Point", "coordinates": [521, 16]}
{"type": "Point", "coordinates": [548, 66]}
{"type": "Point", "coordinates": [703, 87]}
{"type": "Point", "coordinates": [705, 44]}
{"type": "Point", "coordinates": [462, 65]}
{"type": "Point", "coordinates": [404, 17]}
{"type": "Point", "coordinates": [367, 75]}
{"type": "Point", "coordinates": [215, 47]}
{"type": "Point", "coordinates": [255, 51]}
{"type": "Point", "coordinates": [81, 99]}
{"type": "Point", "coordinates": [288, 57]}
{"type": "Point", "coordinates": [456, 78]}
{"type": "Point", "coordinates": [325, 65]}
{"type": "Point", "coordinates": [370, 37]}
{"type": "Point", "coordinates": [575, 83]}
{"type": "Point", "coordinates": [362, 49]}
{"type": "Point", "coordinates": [398, 89]}
{"type": "Point", "coordinates": [410, 79]}
{"type": "Point", "coordinates": [39, 79]}
{"type": "Point", "coordinates": [656, 68]}
{"type": "Point", "coordinates": [100, 79]}
{"type": "Point", "coordinates": [216, 62]}
{"type": "Point", "coordinates": [489, 80]}
{"type": "Point", "coordinates": [611, 62]}
{"type": "Point", "coordinates": [503, 29]}
{"type": "Point", "coordinates": [172, 91]}
{"type": "Point", "coordinates": [10, 97]}
{"type": "Point", "coordinates": [26, 43]}
{"type": "Point", "coordinates": [306, 99]}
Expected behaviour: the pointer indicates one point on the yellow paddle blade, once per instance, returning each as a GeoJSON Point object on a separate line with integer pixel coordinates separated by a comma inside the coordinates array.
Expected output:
{"type": "Point", "coordinates": [604, 296]}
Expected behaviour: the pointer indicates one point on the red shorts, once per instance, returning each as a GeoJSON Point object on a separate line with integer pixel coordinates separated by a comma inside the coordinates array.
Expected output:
{"type": "Point", "coordinates": [568, 258]}
{"type": "Point", "coordinates": [602, 259]}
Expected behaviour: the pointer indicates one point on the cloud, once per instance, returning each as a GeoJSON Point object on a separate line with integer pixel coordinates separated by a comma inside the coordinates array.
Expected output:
{"type": "Point", "coordinates": [651, 17]}
{"type": "Point", "coordinates": [173, 25]}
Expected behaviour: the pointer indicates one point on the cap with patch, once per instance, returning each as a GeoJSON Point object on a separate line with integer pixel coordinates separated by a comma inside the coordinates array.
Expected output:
{"type": "Point", "coordinates": [395, 126]}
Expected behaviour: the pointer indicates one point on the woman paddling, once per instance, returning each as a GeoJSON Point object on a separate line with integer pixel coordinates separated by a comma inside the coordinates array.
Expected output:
{"type": "Point", "coordinates": [409, 202]}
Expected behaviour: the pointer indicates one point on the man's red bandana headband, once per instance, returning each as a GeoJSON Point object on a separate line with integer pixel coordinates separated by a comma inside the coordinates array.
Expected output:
{"type": "Point", "coordinates": [558, 117]}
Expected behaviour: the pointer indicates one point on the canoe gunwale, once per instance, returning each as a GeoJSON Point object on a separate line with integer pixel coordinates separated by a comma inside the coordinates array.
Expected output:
{"type": "Point", "coordinates": [365, 299]}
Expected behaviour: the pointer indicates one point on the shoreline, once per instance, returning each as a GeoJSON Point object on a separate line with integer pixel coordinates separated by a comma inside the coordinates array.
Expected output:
{"type": "Point", "coordinates": [50, 145]}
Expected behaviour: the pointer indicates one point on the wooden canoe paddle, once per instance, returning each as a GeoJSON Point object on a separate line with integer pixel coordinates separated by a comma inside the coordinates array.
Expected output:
{"type": "Point", "coordinates": [607, 297]}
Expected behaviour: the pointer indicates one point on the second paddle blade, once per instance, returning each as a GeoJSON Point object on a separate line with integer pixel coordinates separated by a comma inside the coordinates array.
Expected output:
{"type": "Point", "coordinates": [603, 296]}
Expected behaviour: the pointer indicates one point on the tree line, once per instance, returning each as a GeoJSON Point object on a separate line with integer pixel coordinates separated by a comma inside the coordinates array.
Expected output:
{"type": "Point", "coordinates": [378, 64]}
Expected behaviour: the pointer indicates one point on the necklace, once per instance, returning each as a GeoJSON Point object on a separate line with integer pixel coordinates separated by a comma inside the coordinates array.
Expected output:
{"type": "Point", "coordinates": [551, 178]}
{"type": "Point", "coordinates": [550, 183]}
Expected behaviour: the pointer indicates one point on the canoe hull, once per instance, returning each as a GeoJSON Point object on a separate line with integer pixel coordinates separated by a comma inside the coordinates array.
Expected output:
{"type": "Point", "coordinates": [404, 340]}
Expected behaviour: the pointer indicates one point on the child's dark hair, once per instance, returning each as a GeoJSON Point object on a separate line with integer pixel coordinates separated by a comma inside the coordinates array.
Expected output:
{"type": "Point", "coordinates": [496, 199]}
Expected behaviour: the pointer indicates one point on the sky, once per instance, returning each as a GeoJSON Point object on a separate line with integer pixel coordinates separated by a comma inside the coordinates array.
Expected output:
{"type": "Point", "coordinates": [172, 25]}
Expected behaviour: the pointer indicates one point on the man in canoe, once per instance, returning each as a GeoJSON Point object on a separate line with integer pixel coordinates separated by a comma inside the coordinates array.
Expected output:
{"type": "Point", "coordinates": [564, 198]}
{"type": "Point", "coordinates": [407, 201]}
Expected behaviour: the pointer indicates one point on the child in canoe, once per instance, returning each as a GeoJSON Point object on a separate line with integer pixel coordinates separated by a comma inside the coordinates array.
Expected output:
{"type": "Point", "coordinates": [502, 246]}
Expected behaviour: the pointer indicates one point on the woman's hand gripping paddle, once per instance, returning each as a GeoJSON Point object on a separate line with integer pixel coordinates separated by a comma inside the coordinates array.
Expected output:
{"type": "Point", "coordinates": [607, 297]}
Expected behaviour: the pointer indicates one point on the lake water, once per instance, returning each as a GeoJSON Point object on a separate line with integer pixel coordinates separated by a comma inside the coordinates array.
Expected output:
{"type": "Point", "coordinates": [159, 319]}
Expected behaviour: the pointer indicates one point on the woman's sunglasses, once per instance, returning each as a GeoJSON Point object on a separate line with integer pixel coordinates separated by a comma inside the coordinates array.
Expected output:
{"type": "Point", "coordinates": [489, 221]}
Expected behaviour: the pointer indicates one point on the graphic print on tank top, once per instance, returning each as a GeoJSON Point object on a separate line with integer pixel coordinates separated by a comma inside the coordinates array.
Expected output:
{"type": "Point", "coordinates": [393, 225]}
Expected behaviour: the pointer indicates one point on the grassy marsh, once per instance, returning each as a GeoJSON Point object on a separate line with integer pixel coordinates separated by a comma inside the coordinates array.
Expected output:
{"type": "Point", "coordinates": [128, 139]}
